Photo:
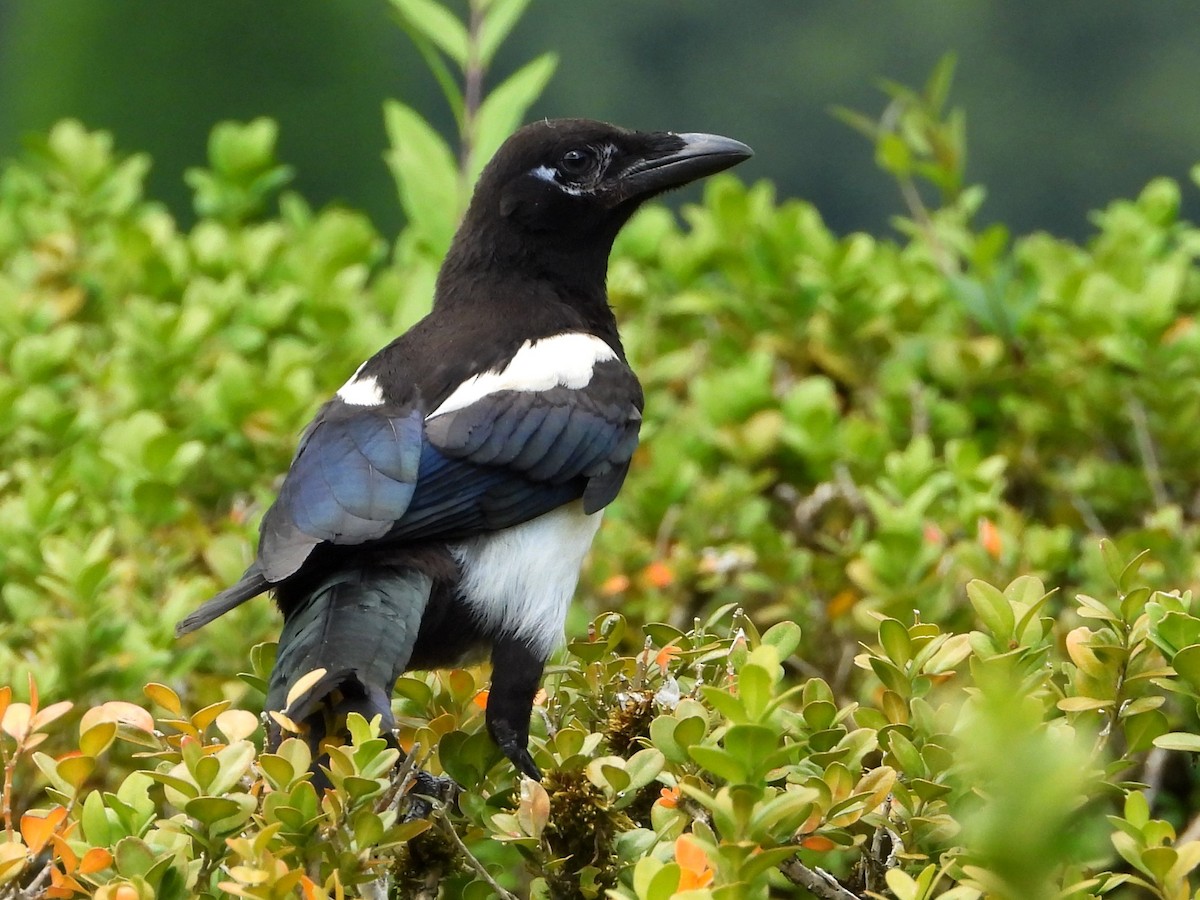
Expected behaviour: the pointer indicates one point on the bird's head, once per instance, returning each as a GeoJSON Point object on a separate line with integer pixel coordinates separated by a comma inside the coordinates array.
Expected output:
{"type": "Point", "coordinates": [561, 187]}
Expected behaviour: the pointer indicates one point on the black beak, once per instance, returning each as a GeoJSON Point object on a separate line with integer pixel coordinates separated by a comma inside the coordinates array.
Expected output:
{"type": "Point", "coordinates": [699, 156]}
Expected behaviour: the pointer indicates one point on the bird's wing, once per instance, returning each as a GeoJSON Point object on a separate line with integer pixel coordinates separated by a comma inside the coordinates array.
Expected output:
{"type": "Point", "coordinates": [384, 474]}
{"type": "Point", "coordinates": [526, 452]}
{"type": "Point", "coordinates": [353, 476]}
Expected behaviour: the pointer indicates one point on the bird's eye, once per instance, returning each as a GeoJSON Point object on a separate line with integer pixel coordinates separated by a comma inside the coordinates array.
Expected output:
{"type": "Point", "coordinates": [576, 162]}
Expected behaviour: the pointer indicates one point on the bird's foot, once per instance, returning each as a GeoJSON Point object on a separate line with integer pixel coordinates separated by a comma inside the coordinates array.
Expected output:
{"type": "Point", "coordinates": [515, 746]}
{"type": "Point", "coordinates": [523, 760]}
{"type": "Point", "coordinates": [425, 791]}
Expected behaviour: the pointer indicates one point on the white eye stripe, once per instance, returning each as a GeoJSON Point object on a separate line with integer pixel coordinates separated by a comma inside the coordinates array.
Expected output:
{"type": "Point", "coordinates": [547, 174]}
{"type": "Point", "coordinates": [564, 360]}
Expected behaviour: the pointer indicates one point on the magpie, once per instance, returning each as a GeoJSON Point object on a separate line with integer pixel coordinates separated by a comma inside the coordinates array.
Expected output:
{"type": "Point", "coordinates": [440, 505]}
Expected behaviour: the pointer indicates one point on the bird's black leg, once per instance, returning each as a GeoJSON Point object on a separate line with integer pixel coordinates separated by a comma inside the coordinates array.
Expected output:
{"type": "Point", "coordinates": [516, 674]}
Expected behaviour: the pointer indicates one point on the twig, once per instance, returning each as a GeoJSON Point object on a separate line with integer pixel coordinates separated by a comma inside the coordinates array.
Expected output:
{"type": "Point", "coordinates": [401, 778]}
{"type": "Point", "coordinates": [1191, 833]}
{"type": "Point", "coordinates": [1145, 445]}
{"type": "Point", "coordinates": [818, 881]}
{"type": "Point", "coordinates": [842, 487]}
{"type": "Point", "coordinates": [10, 765]}
{"type": "Point", "coordinates": [1090, 519]}
{"type": "Point", "coordinates": [429, 890]}
{"type": "Point", "coordinates": [472, 85]}
{"type": "Point", "coordinates": [920, 410]}
{"type": "Point", "coordinates": [662, 538]}
{"type": "Point", "coordinates": [447, 827]}
{"type": "Point", "coordinates": [1153, 772]}
{"type": "Point", "coordinates": [34, 888]}
{"type": "Point", "coordinates": [375, 890]}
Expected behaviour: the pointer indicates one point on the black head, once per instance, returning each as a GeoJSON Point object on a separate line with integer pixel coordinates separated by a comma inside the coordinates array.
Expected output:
{"type": "Point", "coordinates": [560, 189]}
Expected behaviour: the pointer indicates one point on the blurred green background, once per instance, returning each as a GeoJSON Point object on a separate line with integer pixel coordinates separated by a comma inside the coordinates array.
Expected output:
{"type": "Point", "coordinates": [1070, 103]}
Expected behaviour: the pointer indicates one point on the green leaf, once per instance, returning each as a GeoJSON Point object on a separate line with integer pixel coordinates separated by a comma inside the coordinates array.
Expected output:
{"type": "Point", "coordinates": [426, 175]}
{"type": "Point", "coordinates": [498, 22]}
{"type": "Point", "coordinates": [1144, 728]}
{"type": "Point", "coordinates": [785, 637]}
{"type": "Point", "coordinates": [1113, 562]}
{"type": "Point", "coordinates": [1187, 664]}
{"type": "Point", "coordinates": [233, 763]}
{"type": "Point", "coordinates": [210, 810]}
{"type": "Point", "coordinates": [368, 829]}
{"type": "Point", "coordinates": [438, 25]}
{"type": "Point", "coordinates": [643, 767]}
{"type": "Point", "coordinates": [752, 746]}
{"type": "Point", "coordinates": [1179, 740]}
{"type": "Point", "coordinates": [764, 861]}
{"type": "Point", "coordinates": [993, 609]}
{"type": "Point", "coordinates": [505, 107]}
{"type": "Point", "coordinates": [655, 880]}
{"type": "Point", "coordinates": [720, 762]}
{"type": "Point", "coordinates": [729, 706]}
{"type": "Point", "coordinates": [94, 819]}
{"type": "Point", "coordinates": [133, 857]}
{"type": "Point", "coordinates": [893, 636]}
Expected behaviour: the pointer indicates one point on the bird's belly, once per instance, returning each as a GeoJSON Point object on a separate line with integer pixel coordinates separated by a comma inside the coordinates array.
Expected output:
{"type": "Point", "coordinates": [519, 581]}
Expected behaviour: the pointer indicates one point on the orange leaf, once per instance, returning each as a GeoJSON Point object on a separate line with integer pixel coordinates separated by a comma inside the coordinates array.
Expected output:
{"type": "Point", "coordinates": [932, 534]}
{"type": "Point", "coordinates": [617, 584]}
{"type": "Point", "coordinates": [534, 810]}
{"type": "Point", "coordinates": [63, 885]}
{"type": "Point", "coordinates": [68, 857]}
{"type": "Point", "coordinates": [539, 699]}
{"type": "Point", "coordinates": [163, 696]}
{"type": "Point", "coordinates": [811, 823]}
{"type": "Point", "coordinates": [51, 712]}
{"type": "Point", "coordinates": [16, 720]}
{"type": "Point", "coordinates": [481, 699]}
{"type": "Point", "coordinates": [5, 699]}
{"type": "Point", "coordinates": [689, 880]}
{"type": "Point", "coordinates": [691, 856]}
{"type": "Point", "coordinates": [841, 603]}
{"type": "Point", "coordinates": [818, 843]}
{"type": "Point", "coordinates": [36, 830]}
{"type": "Point", "coordinates": [658, 574]}
{"type": "Point", "coordinates": [1178, 329]}
{"type": "Point", "coordinates": [666, 654]}
{"type": "Point", "coordinates": [989, 538]}
{"type": "Point", "coordinates": [95, 860]}
{"type": "Point", "coordinates": [118, 712]}
{"type": "Point", "coordinates": [669, 797]}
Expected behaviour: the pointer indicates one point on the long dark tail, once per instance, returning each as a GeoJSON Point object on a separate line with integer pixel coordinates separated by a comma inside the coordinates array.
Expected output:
{"type": "Point", "coordinates": [346, 639]}
{"type": "Point", "coordinates": [251, 584]}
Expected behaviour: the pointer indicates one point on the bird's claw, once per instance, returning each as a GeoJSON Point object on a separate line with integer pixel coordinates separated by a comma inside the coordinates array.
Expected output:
{"type": "Point", "coordinates": [523, 760]}
{"type": "Point", "coordinates": [425, 791]}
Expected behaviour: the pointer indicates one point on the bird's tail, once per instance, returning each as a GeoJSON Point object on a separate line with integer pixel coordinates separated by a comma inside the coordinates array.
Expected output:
{"type": "Point", "coordinates": [345, 641]}
{"type": "Point", "coordinates": [251, 584]}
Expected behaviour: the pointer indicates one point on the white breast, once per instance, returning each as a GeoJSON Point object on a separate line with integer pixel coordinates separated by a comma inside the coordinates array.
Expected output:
{"type": "Point", "coordinates": [519, 581]}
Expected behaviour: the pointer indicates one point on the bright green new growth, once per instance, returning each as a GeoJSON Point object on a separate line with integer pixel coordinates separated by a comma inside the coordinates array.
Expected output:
{"type": "Point", "coordinates": [864, 436]}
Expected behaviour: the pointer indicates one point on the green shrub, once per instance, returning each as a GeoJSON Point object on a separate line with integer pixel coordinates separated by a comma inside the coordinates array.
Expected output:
{"type": "Point", "coordinates": [812, 685]}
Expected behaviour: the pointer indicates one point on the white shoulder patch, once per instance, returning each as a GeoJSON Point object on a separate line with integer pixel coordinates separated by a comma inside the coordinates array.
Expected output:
{"type": "Point", "coordinates": [361, 391]}
{"type": "Point", "coordinates": [564, 360]}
